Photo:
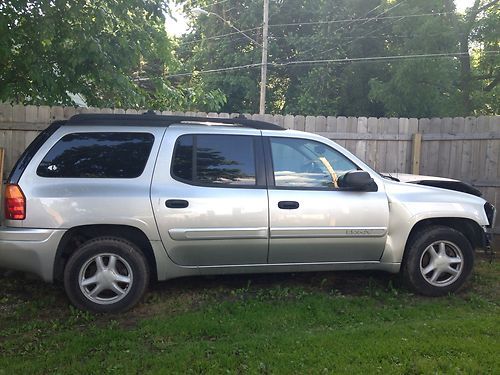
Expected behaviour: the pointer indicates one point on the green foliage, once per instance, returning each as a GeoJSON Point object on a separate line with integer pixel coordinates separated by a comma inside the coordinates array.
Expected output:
{"type": "Point", "coordinates": [486, 72]}
{"type": "Point", "coordinates": [422, 87]}
{"type": "Point", "coordinates": [417, 87]}
{"type": "Point", "coordinates": [115, 53]}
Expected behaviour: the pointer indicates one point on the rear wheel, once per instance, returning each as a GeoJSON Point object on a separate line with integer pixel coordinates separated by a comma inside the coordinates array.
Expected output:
{"type": "Point", "coordinates": [106, 274]}
{"type": "Point", "coordinates": [439, 261]}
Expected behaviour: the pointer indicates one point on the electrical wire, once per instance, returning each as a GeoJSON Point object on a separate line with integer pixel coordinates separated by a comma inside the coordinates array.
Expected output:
{"type": "Point", "coordinates": [377, 17]}
{"type": "Point", "coordinates": [327, 61]}
{"type": "Point", "coordinates": [380, 18]}
{"type": "Point", "coordinates": [220, 36]}
{"type": "Point", "coordinates": [217, 2]}
{"type": "Point", "coordinates": [359, 19]}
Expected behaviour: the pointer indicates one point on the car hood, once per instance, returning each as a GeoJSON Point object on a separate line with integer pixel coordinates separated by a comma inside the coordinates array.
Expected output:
{"type": "Point", "coordinates": [439, 182]}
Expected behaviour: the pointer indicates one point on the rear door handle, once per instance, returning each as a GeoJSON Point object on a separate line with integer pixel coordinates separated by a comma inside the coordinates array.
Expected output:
{"type": "Point", "coordinates": [288, 205]}
{"type": "Point", "coordinates": [176, 203]}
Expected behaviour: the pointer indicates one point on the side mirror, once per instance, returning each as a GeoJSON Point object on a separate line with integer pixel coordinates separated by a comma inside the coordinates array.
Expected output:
{"type": "Point", "coordinates": [357, 181]}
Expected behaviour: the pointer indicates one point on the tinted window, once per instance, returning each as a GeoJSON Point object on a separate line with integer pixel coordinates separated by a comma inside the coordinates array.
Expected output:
{"type": "Point", "coordinates": [182, 166]}
{"type": "Point", "coordinates": [304, 163]}
{"type": "Point", "coordinates": [98, 155]}
{"type": "Point", "coordinates": [215, 159]}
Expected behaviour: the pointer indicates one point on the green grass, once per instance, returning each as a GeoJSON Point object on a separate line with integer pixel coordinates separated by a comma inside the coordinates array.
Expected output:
{"type": "Point", "coordinates": [293, 323]}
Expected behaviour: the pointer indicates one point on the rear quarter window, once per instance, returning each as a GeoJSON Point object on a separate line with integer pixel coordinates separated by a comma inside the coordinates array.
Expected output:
{"type": "Point", "coordinates": [98, 155]}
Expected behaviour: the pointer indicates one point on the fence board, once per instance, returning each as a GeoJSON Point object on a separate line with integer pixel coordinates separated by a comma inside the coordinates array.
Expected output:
{"type": "Point", "coordinates": [381, 156]}
{"type": "Point", "coordinates": [320, 124]}
{"type": "Point", "coordinates": [299, 123]}
{"type": "Point", "coordinates": [331, 124]}
{"type": "Point", "coordinates": [6, 113]}
{"type": "Point", "coordinates": [310, 124]}
{"type": "Point", "coordinates": [392, 155]}
{"type": "Point", "coordinates": [403, 129]}
{"type": "Point", "coordinates": [360, 146]}
{"type": "Point", "coordinates": [371, 144]}
{"type": "Point", "coordinates": [443, 163]}
{"type": "Point", "coordinates": [341, 128]}
{"type": "Point", "coordinates": [19, 112]}
{"type": "Point", "coordinates": [423, 128]}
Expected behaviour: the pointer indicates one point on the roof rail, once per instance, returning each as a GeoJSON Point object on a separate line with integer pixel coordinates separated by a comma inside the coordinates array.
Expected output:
{"type": "Point", "coordinates": [151, 119]}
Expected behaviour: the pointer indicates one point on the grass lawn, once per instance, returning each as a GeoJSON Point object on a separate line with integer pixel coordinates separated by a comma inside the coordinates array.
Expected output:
{"type": "Point", "coordinates": [344, 322]}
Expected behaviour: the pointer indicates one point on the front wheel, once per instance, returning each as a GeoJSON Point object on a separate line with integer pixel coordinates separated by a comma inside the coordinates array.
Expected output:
{"type": "Point", "coordinates": [439, 261]}
{"type": "Point", "coordinates": [106, 274]}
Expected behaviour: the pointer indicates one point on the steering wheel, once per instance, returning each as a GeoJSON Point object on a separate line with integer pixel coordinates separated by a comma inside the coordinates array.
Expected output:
{"type": "Point", "coordinates": [311, 166]}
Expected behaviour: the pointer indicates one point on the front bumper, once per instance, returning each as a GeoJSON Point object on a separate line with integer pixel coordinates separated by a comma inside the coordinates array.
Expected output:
{"type": "Point", "coordinates": [30, 250]}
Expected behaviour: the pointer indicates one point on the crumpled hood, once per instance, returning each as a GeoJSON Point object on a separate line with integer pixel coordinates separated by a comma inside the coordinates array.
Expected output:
{"type": "Point", "coordinates": [430, 202]}
{"type": "Point", "coordinates": [439, 182]}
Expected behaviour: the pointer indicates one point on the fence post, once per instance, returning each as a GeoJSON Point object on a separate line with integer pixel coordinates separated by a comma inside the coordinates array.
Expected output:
{"type": "Point", "coordinates": [416, 148]}
{"type": "Point", "coordinates": [2, 156]}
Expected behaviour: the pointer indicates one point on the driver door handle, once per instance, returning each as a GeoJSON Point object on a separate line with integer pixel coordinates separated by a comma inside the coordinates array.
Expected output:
{"type": "Point", "coordinates": [176, 203]}
{"type": "Point", "coordinates": [288, 205]}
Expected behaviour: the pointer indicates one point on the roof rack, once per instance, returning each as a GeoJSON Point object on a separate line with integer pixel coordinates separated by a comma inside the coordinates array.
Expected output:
{"type": "Point", "coordinates": [150, 119]}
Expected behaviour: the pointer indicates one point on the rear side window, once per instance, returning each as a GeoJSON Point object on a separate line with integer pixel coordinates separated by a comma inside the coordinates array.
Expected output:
{"type": "Point", "coordinates": [215, 160]}
{"type": "Point", "coordinates": [98, 155]}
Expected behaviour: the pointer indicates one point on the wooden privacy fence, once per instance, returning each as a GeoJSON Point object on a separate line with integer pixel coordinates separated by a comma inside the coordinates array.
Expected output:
{"type": "Point", "coordinates": [463, 148]}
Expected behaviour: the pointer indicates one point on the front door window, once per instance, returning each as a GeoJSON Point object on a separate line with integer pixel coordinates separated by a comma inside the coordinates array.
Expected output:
{"type": "Point", "coordinates": [301, 163]}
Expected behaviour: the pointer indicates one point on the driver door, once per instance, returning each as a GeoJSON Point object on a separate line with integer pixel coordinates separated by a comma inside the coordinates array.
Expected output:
{"type": "Point", "coordinates": [311, 219]}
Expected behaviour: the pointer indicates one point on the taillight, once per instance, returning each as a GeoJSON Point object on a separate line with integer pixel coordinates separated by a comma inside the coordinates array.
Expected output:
{"type": "Point", "coordinates": [15, 203]}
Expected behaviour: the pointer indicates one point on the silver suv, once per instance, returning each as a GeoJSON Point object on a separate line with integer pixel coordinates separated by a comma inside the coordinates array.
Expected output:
{"type": "Point", "coordinates": [106, 203]}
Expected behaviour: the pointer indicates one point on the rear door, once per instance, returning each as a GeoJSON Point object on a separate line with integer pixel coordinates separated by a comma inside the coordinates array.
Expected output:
{"type": "Point", "coordinates": [311, 219]}
{"type": "Point", "coordinates": [209, 196]}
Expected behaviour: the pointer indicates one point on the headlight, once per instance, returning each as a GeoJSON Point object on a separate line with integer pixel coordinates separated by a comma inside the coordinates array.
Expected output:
{"type": "Point", "coordinates": [490, 211]}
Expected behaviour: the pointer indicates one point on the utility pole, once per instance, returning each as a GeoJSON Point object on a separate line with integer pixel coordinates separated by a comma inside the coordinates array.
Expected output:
{"type": "Point", "coordinates": [263, 70]}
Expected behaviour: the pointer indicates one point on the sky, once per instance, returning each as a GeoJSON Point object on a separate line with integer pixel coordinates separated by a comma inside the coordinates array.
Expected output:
{"type": "Point", "coordinates": [178, 26]}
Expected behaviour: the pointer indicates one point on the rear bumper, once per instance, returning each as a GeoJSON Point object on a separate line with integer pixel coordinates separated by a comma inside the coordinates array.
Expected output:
{"type": "Point", "coordinates": [30, 250]}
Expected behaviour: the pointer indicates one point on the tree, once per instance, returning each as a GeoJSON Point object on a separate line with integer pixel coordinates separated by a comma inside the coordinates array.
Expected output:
{"type": "Point", "coordinates": [479, 84]}
{"type": "Point", "coordinates": [308, 89]}
{"type": "Point", "coordinates": [113, 53]}
{"type": "Point", "coordinates": [344, 31]}
{"type": "Point", "coordinates": [421, 87]}
{"type": "Point", "coordinates": [463, 85]}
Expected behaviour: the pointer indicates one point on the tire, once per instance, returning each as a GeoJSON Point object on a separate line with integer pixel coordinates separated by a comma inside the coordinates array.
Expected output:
{"type": "Point", "coordinates": [106, 275]}
{"type": "Point", "coordinates": [439, 261]}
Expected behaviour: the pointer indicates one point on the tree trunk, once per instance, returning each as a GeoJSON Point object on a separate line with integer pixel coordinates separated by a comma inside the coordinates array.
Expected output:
{"type": "Point", "coordinates": [465, 74]}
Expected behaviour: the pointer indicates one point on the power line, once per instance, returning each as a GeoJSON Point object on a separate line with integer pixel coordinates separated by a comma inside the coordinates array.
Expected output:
{"type": "Point", "coordinates": [327, 61]}
{"type": "Point", "coordinates": [350, 39]}
{"type": "Point", "coordinates": [380, 18]}
{"type": "Point", "coordinates": [359, 19]}
{"type": "Point", "coordinates": [369, 33]}
{"type": "Point", "coordinates": [317, 23]}
{"type": "Point", "coordinates": [377, 17]}
{"type": "Point", "coordinates": [353, 40]}
{"type": "Point", "coordinates": [217, 2]}
{"type": "Point", "coordinates": [218, 36]}
{"type": "Point", "coordinates": [239, 67]}
{"type": "Point", "coordinates": [373, 58]}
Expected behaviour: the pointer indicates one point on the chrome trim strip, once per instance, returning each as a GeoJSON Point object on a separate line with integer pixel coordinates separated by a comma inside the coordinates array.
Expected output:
{"type": "Point", "coordinates": [289, 264]}
{"type": "Point", "coordinates": [26, 234]}
{"type": "Point", "coordinates": [186, 234]}
{"type": "Point", "coordinates": [326, 232]}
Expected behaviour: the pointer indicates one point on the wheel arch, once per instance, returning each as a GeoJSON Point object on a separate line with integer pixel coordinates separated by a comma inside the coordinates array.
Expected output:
{"type": "Point", "coordinates": [468, 227]}
{"type": "Point", "coordinates": [76, 236]}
